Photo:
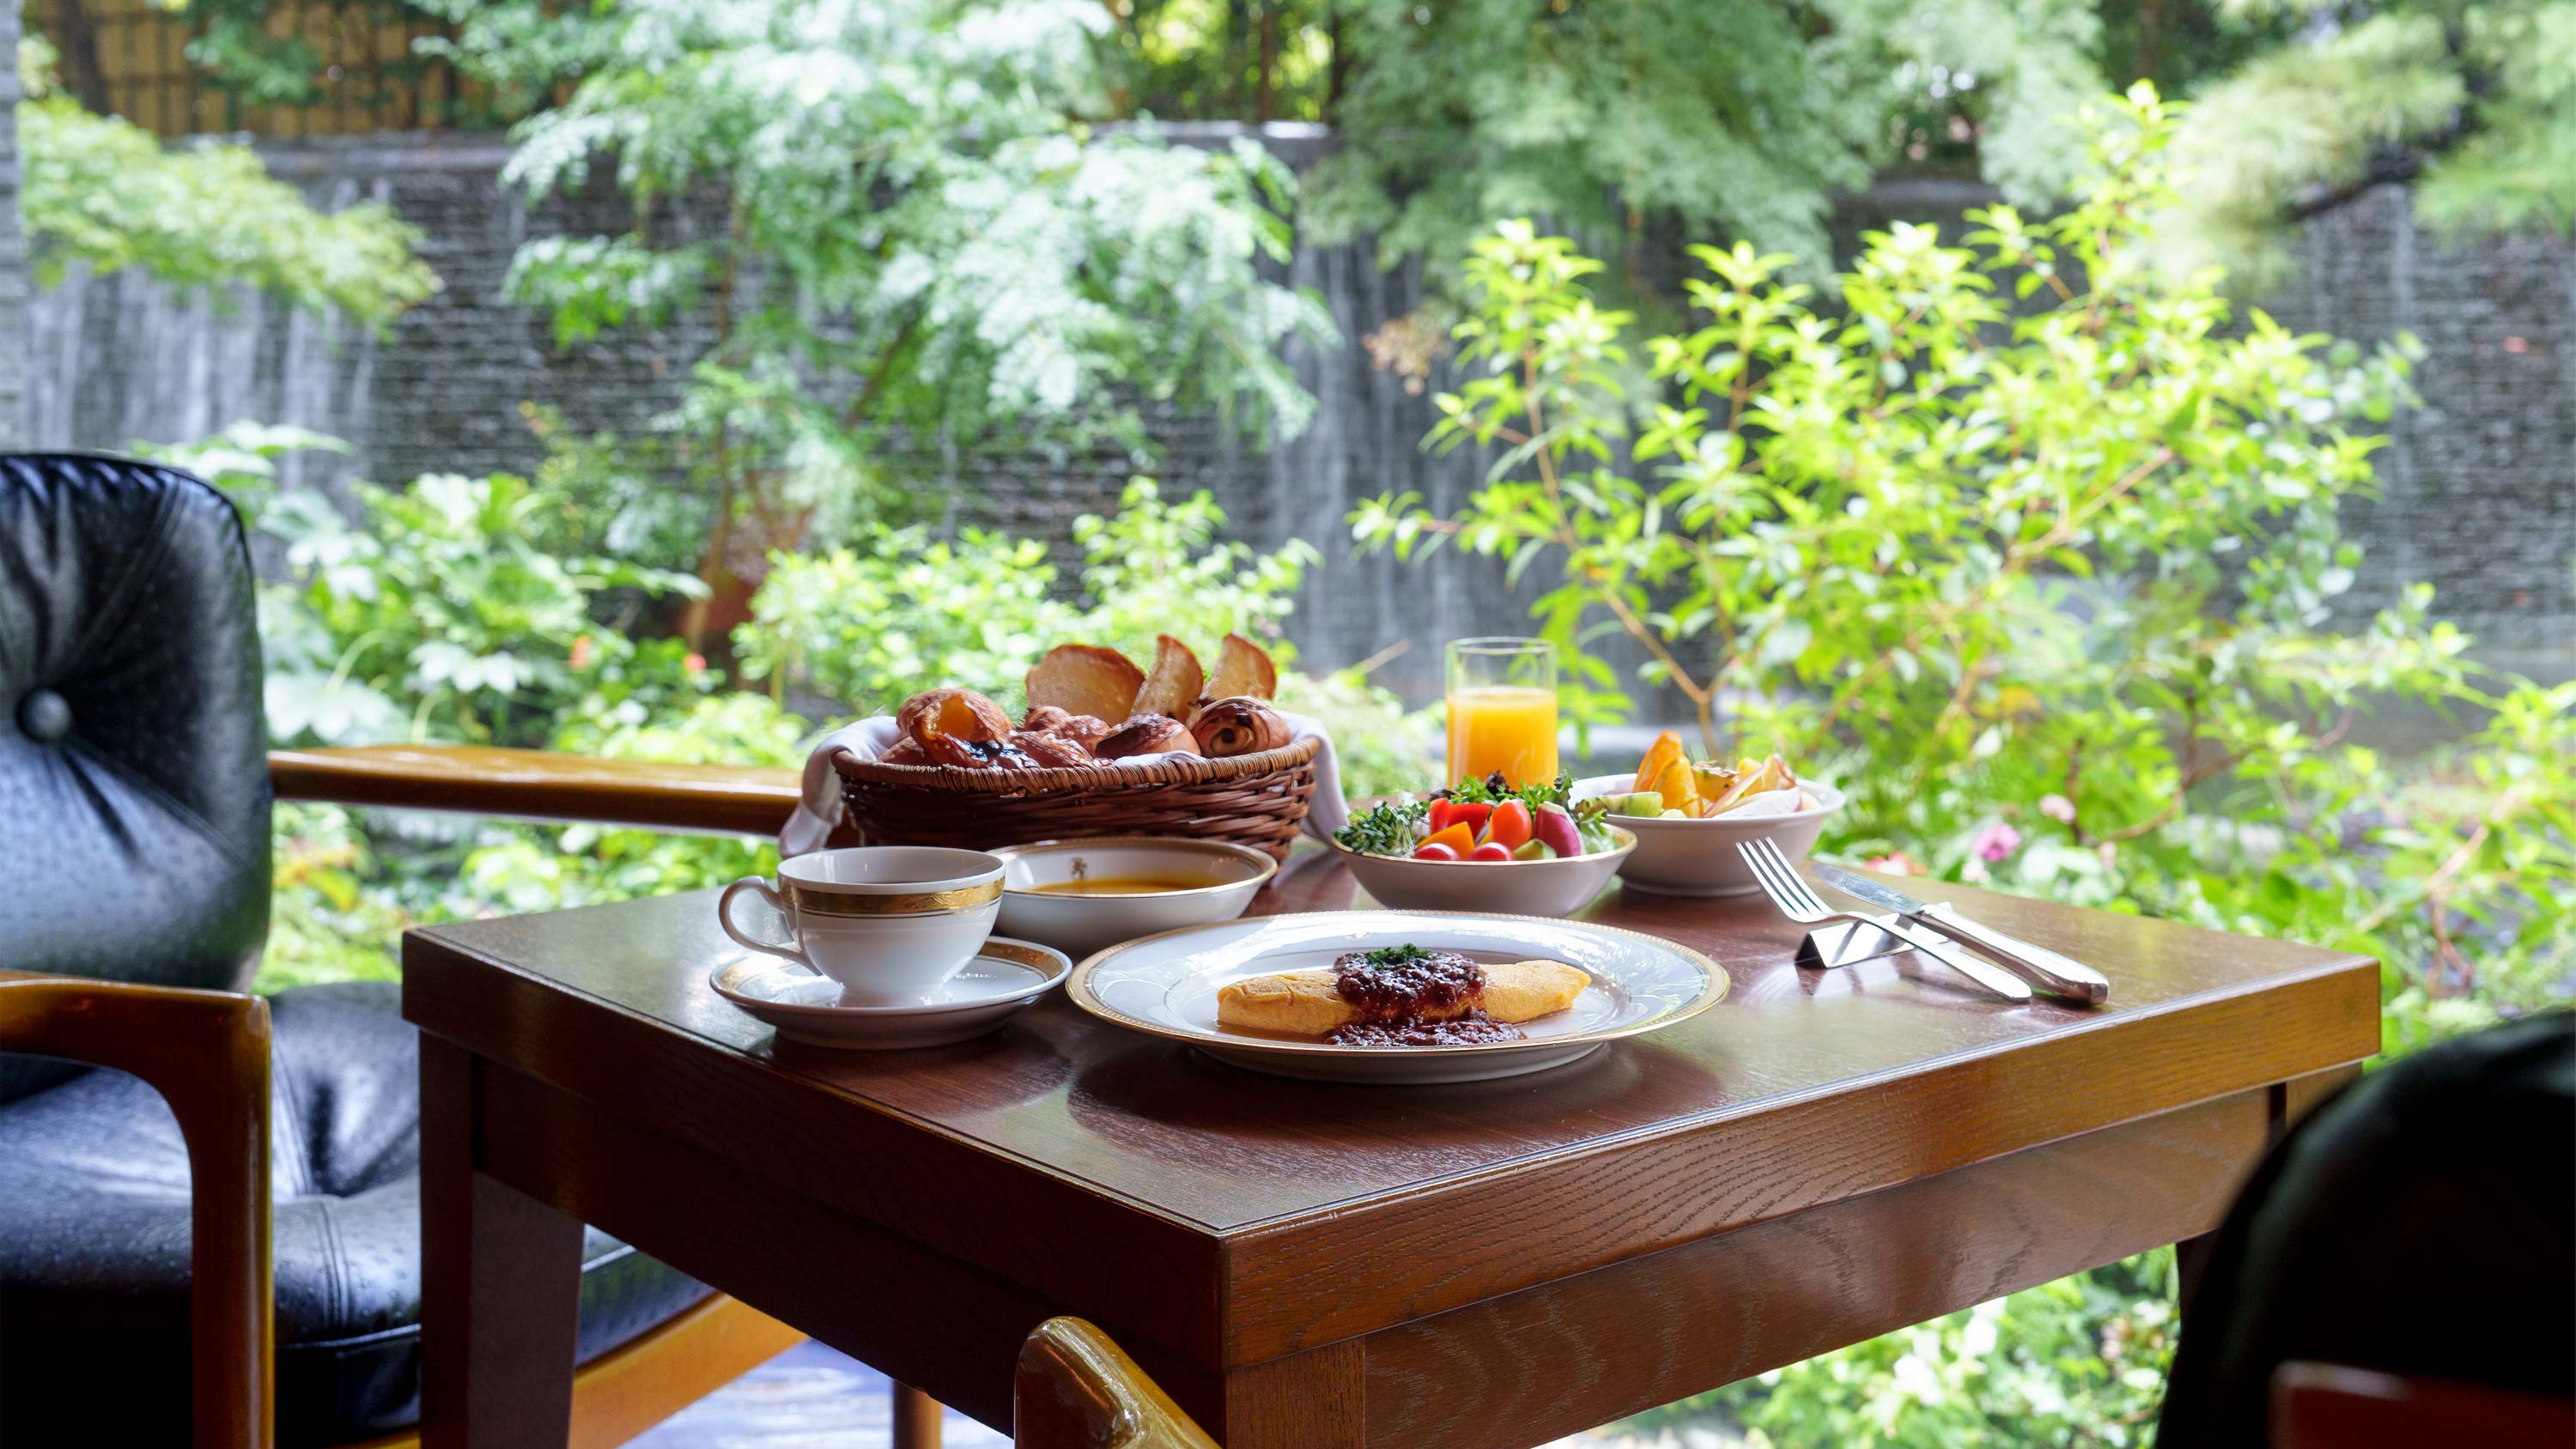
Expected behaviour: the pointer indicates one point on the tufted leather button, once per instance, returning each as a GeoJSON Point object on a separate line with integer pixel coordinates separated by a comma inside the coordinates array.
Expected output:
{"type": "Point", "coordinates": [45, 716]}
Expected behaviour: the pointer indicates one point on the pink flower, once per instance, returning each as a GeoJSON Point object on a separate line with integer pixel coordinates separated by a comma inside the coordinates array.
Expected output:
{"type": "Point", "coordinates": [2057, 808]}
{"type": "Point", "coordinates": [581, 652]}
{"type": "Point", "coordinates": [1893, 863]}
{"type": "Point", "coordinates": [695, 662]}
{"type": "Point", "coordinates": [1996, 842]}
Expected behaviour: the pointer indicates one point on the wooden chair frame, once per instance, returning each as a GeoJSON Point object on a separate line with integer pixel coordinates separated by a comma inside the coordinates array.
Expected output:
{"type": "Point", "coordinates": [207, 1054]}
{"type": "Point", "coordinates": [1075, 1389]}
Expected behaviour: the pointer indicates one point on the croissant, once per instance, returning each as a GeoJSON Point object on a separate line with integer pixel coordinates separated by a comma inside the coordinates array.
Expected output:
{"type": "Point", "coordinates": [1238, 726]}
{"type": "Point", "coordinates": [1147, 734]}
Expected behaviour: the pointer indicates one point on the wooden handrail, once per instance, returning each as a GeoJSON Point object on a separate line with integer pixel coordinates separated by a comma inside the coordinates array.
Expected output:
{"type": "Point", "coordinates": [206, 1053]}
{"type": "Point", "coordinates": [537, 784]}
{"type": "Point", "coordinates": [1075, 1389]}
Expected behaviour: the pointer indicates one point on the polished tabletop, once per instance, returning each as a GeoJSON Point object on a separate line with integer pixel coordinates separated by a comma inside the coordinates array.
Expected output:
{"type": "Point", "coordinates": [1322, 1211]}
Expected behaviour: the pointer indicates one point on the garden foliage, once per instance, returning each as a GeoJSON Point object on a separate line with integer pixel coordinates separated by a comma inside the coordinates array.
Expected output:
{"type": "Point", "coordinates": [922, 253]}
{"type": "Point", "coordinates": [103, 193]}
{"type": "Point", "coordinates": [2034, 547]}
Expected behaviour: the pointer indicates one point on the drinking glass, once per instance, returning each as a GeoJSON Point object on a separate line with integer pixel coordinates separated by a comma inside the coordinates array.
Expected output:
{"type": "Point", "coordinates": [1502, 709]}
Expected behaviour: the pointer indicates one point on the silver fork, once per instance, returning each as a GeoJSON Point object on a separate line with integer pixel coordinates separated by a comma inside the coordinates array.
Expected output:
{"type": "Point", "coordinates": [1799, 902]}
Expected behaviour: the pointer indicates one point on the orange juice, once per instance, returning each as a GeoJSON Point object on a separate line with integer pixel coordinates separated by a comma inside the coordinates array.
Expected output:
{"type": "Point", "coordinates": [1511, 728]}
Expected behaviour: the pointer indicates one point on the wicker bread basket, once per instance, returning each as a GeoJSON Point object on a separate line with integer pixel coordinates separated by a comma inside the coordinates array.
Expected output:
{"type": "Point", "coordinates": [1257, 799]}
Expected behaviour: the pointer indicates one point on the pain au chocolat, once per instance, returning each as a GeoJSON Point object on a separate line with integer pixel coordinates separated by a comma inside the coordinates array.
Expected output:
{"type": "Point", "coordinates": [1437, 986]}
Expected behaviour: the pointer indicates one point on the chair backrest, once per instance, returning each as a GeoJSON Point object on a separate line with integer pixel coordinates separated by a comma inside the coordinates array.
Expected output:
{"type": "Point", "coordinates": [2420, 1225]}
{"type": "Point", "coordinates": [134, 797]}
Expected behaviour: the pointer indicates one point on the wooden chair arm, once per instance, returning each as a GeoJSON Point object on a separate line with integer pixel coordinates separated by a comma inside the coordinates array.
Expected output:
{"type": "Point", "coordinates": [206, 1053]}
{"type": "Point", "coordinates": [537, 784]}
{"type": "Point", "coordinates": [1077, 1390]}
{"type": "Point", "coordinates": [2335, 1406]}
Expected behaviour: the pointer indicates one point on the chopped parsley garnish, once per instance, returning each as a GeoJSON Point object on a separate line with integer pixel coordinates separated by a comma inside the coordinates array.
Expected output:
{"type": "Point", "coordinates": [1387, 958]}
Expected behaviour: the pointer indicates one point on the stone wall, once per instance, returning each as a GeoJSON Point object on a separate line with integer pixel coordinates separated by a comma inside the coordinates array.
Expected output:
{"type": "Point", "coordinates": [2480, 484]}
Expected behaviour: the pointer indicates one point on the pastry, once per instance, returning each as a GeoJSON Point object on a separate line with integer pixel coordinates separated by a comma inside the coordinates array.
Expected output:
{"type": "Point", "coordinates": [956, 727]}
{"type": "Point", "coordinates": [1147, 734]}
{"type": "Point", "coordinates": [1049, 748]}
{"type": "Point", "coordinates": [1086, 679]}
{"type": "Point", "coordinates": [1319, 1000]}
{"type": "Point", "coordinates": [1237, 726]}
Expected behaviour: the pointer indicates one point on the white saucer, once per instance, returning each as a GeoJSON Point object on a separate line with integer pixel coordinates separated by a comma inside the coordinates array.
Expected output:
{"type": "Point", "coordinates": [1005, 977]}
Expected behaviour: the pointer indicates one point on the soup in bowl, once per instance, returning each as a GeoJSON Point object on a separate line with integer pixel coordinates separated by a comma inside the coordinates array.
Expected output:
{"type": "Point", "coordinates": [1081, 896]}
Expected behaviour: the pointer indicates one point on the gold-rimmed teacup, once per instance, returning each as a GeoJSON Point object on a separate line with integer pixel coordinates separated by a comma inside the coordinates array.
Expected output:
{"type": "Point", "coordinates": [891, 923]}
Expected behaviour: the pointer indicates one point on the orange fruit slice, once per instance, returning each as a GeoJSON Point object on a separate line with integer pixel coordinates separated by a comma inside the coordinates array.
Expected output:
{"type": "Point", "coordinates": [1664, 752]}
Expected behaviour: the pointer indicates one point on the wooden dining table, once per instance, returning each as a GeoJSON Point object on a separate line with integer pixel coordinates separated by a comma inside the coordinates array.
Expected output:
{"type": "Point", "coordinates": [1820, 1157]}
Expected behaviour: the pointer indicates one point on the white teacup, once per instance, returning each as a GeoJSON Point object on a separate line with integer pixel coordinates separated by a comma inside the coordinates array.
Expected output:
{"type": "Point", "coordinates": [891, 923]}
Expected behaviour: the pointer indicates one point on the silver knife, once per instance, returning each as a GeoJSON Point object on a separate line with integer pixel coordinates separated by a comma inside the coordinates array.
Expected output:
{"type": "Point", "coordinates": [1966, 963]}
{"type": "Point", "coordinates": [2050, 972]}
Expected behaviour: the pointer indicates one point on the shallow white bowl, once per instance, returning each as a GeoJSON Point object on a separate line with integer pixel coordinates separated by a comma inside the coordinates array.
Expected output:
{"type": "Point", "coordinates": [1557, 887]}
{"type": "Point", "coordinates": [1081, 925]}
{"type": "Point", "coordinates": [1698, 857]}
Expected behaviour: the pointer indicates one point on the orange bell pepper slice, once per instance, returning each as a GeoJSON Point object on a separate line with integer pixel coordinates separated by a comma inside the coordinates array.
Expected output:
{"type": "Point", "coordinates": [1457, 837]}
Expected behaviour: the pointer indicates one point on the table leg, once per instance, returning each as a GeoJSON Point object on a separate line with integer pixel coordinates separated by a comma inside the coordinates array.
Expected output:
{"type": "Point", "coordinates": [1310, 1400]}
{"type": "Point", "coordinates": [501, 1284]}
{"type": "Point", "coordinates": [916, 1419]}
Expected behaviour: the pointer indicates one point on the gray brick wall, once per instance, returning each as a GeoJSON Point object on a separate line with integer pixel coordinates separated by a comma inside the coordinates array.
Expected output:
{"type": "Point", "coordinates": [2480, 485]}
{"type": "Point", "coordinates": [14, 283]}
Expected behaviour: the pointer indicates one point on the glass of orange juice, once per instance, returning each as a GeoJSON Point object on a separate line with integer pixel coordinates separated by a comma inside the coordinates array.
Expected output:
{"type": "Point", "coordinates": [1502, 710]}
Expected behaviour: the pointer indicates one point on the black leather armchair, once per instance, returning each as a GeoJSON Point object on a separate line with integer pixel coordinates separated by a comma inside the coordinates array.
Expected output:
{"type": "Point", "coordinates": [135, 798]}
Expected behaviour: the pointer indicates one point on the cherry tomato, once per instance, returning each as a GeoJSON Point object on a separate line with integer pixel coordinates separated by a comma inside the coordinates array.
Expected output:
{"type": "Point", "coordinates": [1510, 825]}
{"type": "Point", "coordinates": [1490, 851]}
{"type": "Point", "coordinates": [1433, 850]}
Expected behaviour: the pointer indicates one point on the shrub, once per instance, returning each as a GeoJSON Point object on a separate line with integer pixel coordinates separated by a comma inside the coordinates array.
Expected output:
{"type": "Point", "coordinates": [2045, 584]}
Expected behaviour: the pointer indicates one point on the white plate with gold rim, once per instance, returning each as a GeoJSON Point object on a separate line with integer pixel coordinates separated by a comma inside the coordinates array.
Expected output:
{"type": "Point", "coordinates": [1005, 978]}
{"type": "Point", "coordinates": [1167, 985]}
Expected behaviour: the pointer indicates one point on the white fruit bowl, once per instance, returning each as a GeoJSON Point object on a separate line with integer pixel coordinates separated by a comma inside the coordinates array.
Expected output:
{"type": "Point", "coordinates": [1698, 857]}
{"type": "Point", "coordinates": [1557, 887]}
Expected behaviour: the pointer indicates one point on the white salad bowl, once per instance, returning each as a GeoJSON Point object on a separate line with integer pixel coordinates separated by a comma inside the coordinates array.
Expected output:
{"type": "Point", "coordinates": [1698, 857]}
{"type": "Point", "coordinates": [1558, 887]}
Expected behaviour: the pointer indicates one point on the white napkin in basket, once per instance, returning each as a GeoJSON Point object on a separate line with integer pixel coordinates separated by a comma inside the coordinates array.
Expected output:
{"type": "Point", "coordinates": [820, 808]}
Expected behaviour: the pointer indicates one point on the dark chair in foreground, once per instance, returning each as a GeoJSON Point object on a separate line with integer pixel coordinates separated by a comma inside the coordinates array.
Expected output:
{"type": "Point", "coordinates": [134, 826]}
{"type": "Point", "coordinates": [2400, 1269]}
